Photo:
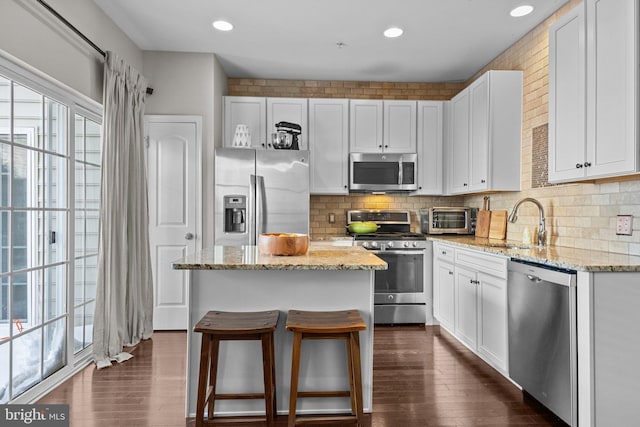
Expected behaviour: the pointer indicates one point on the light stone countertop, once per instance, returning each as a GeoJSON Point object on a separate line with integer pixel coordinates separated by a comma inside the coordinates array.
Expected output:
{"type": "Point", "coordinates": [556, 256]}
{"type": "Point", "coordinates": [320, 256]}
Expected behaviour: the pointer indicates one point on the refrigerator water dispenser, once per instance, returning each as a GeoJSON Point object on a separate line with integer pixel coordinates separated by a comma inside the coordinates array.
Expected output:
{"type": "Point", "coordinates": [235, 214]}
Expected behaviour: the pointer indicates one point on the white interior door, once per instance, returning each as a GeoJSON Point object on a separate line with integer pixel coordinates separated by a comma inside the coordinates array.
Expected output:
{"type": "Point", "coordinates": [174, 181]}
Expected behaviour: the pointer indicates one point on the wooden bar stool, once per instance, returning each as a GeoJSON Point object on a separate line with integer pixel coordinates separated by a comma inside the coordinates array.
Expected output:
{"type": "Point", "coordinates": [327, 325]}
{"type": "Point", "coordinates": [218, 326]}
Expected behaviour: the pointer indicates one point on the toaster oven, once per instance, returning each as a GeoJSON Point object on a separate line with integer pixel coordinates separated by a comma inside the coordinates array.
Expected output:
{"type": "Point", "coordinates": [448, 220]}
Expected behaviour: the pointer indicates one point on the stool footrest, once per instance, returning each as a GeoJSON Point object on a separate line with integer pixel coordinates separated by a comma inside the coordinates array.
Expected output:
{"type": "Point", "coordinates": [345, 393]}
{"type": "Point", "coordinates": [234, 420]}
{"type": "Point", "coordinates": [227, 396]}
{"type": "Point", "coordinates": [329, 420]}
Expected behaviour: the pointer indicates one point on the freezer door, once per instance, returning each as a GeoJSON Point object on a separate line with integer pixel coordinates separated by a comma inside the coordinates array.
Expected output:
{"type": "Point", "coordinates": [282, 191]}
{"type": "Point", "coordinates": [234, 172]}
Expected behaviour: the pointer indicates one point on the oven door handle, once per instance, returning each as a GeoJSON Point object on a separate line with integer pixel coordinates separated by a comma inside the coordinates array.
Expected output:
{"type": "Point", "coordinates": [401, 251]}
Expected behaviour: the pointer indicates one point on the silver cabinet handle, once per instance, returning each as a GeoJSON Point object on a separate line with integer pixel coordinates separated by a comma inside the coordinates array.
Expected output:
{"type": "Point", "coordinates": [188, 236]}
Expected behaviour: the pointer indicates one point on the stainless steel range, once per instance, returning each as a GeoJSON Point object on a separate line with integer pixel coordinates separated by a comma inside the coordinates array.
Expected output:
{"type": "Point", "coordinates": [403, 292]}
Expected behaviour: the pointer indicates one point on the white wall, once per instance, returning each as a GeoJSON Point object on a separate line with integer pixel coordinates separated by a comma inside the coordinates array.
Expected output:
{"type": "Point", "coordinates": [191, 84]}
{"type": "Point", "coordinates": [32, 34]}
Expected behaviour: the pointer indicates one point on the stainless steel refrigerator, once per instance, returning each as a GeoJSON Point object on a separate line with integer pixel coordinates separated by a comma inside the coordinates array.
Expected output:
{"type": "Point", "coordinates": [260, 191]}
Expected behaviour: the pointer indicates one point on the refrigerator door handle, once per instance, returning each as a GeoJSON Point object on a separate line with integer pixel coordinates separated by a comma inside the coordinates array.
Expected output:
{"type": "Point", "coordinates": [252, 210]}
{"type": "Point", "coordinates": [261, 207]}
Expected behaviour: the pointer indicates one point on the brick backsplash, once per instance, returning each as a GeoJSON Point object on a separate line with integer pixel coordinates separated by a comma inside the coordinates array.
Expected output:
{"type": "Point", "coordinates": [578, 215]}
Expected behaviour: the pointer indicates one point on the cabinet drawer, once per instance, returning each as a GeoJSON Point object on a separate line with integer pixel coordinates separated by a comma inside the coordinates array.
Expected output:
{"type": "Point", "coordinates": [444, 252]}
{"type": "Point", "coordinates": [494, 265]}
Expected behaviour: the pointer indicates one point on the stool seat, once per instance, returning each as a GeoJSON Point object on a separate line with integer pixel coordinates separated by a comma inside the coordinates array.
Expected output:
{"type": "Point", "coordinates": [218, 326]}
{"type": "Point", "coordinates": [227, 322]}
{"type": "Point", "coordinates": [325, 321]}
{"type": "Point", "coordinates": [327, 325]}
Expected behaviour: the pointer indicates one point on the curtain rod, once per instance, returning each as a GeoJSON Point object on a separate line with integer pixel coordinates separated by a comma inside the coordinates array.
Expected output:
{"type": "Point", "coordinates": [79, 33]}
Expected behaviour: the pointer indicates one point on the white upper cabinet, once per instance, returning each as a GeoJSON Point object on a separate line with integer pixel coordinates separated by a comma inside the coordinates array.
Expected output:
{"type": "Point", "coordinates": [382, 126]}
{"type": "Point", "coordinates": [593, 91]}
{"type": "Point", "coordinates": [365, 126]}
{"type": "Point", "coordinates": [430, 148]}
{"type": "Point", "coordinates": [485, 131]}
{"type": "Point", "coordinates": [399, 127]}
{"type": "Point", "coordinates": [248, 111]}
{"type": "Point", "coordinates": [293, 110]}
{"type": "Point", "coordinates": [329, 145]}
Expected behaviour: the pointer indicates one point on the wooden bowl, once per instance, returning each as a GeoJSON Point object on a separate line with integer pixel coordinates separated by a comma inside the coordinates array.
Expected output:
{"type": "Point", "coordinates": [283, 244]}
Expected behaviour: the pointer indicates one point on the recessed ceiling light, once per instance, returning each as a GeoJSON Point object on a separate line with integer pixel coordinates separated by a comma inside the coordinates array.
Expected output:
{"type": "Point", "coordinates": [222, 25]}
{"type": "Point", "coordinates": [523, 10]}
{"type": "Point", "coordinates": [393, 32]}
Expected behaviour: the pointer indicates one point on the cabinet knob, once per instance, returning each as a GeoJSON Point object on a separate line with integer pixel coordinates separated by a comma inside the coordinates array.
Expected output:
{"type": "Point", "coordinates": [345, 186]}
{"type": "Point", "coordinates": [444, 252]}
{"type": "Point", "coordinates": [386, 146]}
{"type": "Point", "coordinates": [482, 181]}
{"type": "Point", "coordinates": [420, 188]}
{"type": "Point", "coordinates": [578, 165]}
{"type": "Point", "coordinates": [465, 184]}
{"type": "Point", "coordinates": [379, 146]}
{"type": "Point", "coordinates": [451, 273]}
{"type": "Point", "coordinates": [587, 164]}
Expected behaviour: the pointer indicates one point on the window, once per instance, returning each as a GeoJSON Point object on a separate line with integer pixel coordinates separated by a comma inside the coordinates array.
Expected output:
{"type": "Point", "coordinates": [48, 232]}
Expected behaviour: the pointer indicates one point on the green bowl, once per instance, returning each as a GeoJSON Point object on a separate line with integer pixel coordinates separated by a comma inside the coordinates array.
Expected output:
{"type": "Point", "coordinates": [362, 227]}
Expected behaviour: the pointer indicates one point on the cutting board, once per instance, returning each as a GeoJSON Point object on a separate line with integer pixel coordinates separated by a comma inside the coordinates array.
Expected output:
{"type": "Point", "coordinates": [498, 225]}
{"type": "Point", "coordinates": [483, 219]}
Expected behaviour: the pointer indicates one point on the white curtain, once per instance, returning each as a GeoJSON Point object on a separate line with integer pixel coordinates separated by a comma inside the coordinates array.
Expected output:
{"type": "Point", "coordinates": [124, 296]}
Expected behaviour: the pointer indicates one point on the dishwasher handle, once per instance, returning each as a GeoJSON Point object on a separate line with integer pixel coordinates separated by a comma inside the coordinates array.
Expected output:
{"type": "Point", "coordinates": [535, 279]}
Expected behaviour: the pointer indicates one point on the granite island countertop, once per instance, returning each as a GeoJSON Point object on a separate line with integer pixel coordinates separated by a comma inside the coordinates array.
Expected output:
{"type": "Point", "coordinates": [556, 256]}
{"type": "Point", "coordinates": [320, 256]}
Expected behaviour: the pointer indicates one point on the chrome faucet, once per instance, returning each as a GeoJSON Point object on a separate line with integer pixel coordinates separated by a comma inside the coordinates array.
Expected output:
{"type": "Point", "coordinates": [513, 217]}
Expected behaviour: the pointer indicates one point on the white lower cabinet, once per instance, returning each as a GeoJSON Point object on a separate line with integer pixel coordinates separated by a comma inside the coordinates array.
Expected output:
{"type": "Point", "coordinates": [470, 295]}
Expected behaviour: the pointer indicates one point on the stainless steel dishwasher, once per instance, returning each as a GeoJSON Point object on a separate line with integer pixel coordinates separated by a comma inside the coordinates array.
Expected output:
{"type": "Point", "coordinates": [542, 335]}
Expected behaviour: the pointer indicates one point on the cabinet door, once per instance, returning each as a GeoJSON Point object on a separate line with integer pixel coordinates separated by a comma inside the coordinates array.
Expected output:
{"type": "Point", "coordinates": [466, 307]}
{"type": "Point", "coordinates": [293, 110]}
{"type": "Point", "coordinates": [479, 134]}
{"type": "Point", "coordinates": [612, 88]}
{"type": "Point", "coordinates": [329, 145]}
{"type": "Point", "coordinates": [459, 143]}
{"type": "Point", "coordinates": [492, 320]}
{"type": "Point", "coordinates": [399, 129]}
{"type": "Point", "coordinates": [567, 97]}
{"type": "Point", "coordinates": [365, 126]}
{"type": "Point", "coordinates": [444, 295]}
{"type": "Point", "coordinates": [249, 111]}
{"type": "Point", "coordinates": [430, 146]}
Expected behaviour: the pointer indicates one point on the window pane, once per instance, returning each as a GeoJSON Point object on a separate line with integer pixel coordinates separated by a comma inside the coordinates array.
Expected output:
{"type": "Point", "coordinates": [55, 294]}
{"type": "Point", "coordinates": [54, 348]}
{"type": "Point", "coordinates": [79, 138]}
{"type": "Point", "coordinates": [88, 323]}
{"type": "Point", "coordinates": [91, 277]}
{"type": "Point", "coordinates": [26, 361]}
{"type": "Point", "coordinates": [4, 300]}
{"type": "Point", "coordinates": [80, 233]}
{"type": "Point", "coordinates": [92, 142]}
{"type": "Point", "coordinates": [55, 126]}
{"type": "Point", "coordinates": [24, 183]}
{"type": "Point", "coordinates": [78, 329]}
{"type": "Point", "coordinates": [5, 171]}
{"type": "Point", "coordinates": [55, 242]}
{"type": "Point", "coordinates": [26, 291]}
{"type": "Point", "coordinates": [78, 288]}
{"type": "Point", "coordinates": [4, 241]}
{"type": "Point", "coordinates": [92, 188]}
{"type": "Point", "coordinates": [56, 181]}
{"type": "Point", "coordinates": [4, 372]}
{"type": "Point", "coordinates": [27, 110]}
{"type": "Point", "coordinates": [92, 223]}
{"type": "Point", "coordinates": [5, 110]}
{"type": "Point", "coordinates": [27, 239]}
{"type": "Point", "coordinates": [80, 196]}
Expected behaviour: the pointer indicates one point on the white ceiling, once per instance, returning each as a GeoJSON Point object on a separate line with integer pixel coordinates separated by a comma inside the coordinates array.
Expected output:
{"type": "Point", "coordinates": [444, 40]}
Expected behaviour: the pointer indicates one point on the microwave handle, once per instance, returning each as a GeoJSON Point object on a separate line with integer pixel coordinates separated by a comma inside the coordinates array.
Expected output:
{"type": "Point", "coordinates": [400, 172]}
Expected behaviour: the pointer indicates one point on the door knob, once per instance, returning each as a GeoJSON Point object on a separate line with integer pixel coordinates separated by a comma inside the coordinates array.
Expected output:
{"type": "Point", "coordinates": [188, 236]}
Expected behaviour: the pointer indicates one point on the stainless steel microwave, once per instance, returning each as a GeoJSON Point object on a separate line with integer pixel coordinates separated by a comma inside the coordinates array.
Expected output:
{"type": "Point", "coordinates": [383, 172]}
{"type": "Point", "coordinates": [448, 220]}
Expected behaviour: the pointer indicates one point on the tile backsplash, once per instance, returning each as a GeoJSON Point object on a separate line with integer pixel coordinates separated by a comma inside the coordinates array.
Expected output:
{"type": "Point", "coordinates": [580, 215]}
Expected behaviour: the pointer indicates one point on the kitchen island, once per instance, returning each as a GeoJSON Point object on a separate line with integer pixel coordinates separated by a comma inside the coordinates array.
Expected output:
{"type": "Point", "coordinates": [329, 276]}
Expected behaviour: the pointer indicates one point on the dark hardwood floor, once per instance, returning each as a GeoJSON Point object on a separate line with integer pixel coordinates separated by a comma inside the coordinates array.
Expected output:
{"type": "Point", "coordinates": [422, 377]}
